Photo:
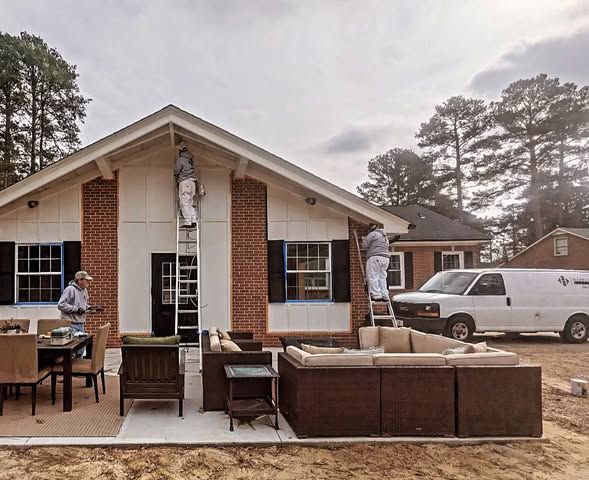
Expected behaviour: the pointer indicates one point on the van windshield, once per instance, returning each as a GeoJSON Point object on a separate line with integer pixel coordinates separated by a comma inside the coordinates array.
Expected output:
{"type": "Point", "coordinates": [453, 283]}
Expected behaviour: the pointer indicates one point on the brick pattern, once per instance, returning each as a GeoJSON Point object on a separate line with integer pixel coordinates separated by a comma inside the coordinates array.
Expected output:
{"type": "Point", "coordinates": [100, 252]}
{"type": "Point", "coordinates": [249, 258]}
{"type": "Point", "coordinates": [541, 255]}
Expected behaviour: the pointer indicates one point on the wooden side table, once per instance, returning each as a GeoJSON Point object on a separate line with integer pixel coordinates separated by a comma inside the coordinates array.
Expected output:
{"type": "Point", "coordinates": [252, 405]}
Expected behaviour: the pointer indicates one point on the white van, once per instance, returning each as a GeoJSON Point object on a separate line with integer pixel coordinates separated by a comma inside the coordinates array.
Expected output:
{"type": "Point", "coordinates": [458, 303]}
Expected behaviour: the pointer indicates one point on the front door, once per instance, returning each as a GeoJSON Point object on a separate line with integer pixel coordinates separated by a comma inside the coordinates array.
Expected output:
{"type": "Point", "coordinates": [492, 306]}
{"type": "Point", "coordinates": [163, 291]}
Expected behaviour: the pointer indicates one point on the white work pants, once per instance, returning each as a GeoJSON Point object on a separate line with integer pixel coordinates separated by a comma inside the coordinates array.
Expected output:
{"type": "Point", "coordinates": [186, 192]}
{"type": "Point", "coordinates": [376, 276]}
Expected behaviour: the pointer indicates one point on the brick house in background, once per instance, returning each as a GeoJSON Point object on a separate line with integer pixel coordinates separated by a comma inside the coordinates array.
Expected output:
{"type": "Point", "coordinates": [562, 248]}
{"type": "Point", "coordinates": [436, 243]}
{"type": "Point", "coordinates": [276, 256]}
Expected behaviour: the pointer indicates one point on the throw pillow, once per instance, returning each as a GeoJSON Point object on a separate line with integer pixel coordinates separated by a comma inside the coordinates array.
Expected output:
{"type": "Point", "coordinates": [364, 351]}
{"type": "Point", "coordinates": [395, 340]}
{"type": "Point", "coordinates": [215, 343]}
{"type": "Point", "coordinates": [480, 347]}
{"type": "Point", "coordinates": [223, 334]}
{"type": "Point", "coordinates": [460, 349]}
{"type": "Point", "coordinates": [172, 340]}
{"type": "Point", "coordinates": [313, 349]}
{"type": "Point", "coordinates": [229, 346]}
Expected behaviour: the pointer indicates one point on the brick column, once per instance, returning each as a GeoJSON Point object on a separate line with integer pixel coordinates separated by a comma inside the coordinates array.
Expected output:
{"type": "Point", "coordinates": [100, 252]}
{"type": "Point", "coordinates": [249, 256]}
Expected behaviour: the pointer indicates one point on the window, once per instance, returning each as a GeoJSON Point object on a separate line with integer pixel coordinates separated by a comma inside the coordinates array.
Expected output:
{"type": "Point", "coordinates": [561, 246]}
{"type": "Point", "coordinates": [452, 260]}
{"type": "Point", "coordinates": [396, 272]}
{"type": "Point", "coordinates": [308, 271]}
{"type": "Point", "coordinates": [489, 284]}
{"type": "Point", "coordinates": [39, 275]}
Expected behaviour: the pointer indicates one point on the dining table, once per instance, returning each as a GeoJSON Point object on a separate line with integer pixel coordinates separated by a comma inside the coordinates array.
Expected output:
{"type": "Point", "coordinates": [67, 351]}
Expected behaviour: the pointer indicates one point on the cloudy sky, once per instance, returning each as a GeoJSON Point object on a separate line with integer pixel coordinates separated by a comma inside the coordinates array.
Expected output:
{"type": "Point", "coordinates": [325, 84]}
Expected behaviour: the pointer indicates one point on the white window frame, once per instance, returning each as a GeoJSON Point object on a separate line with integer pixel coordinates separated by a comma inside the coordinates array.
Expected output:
{"type": "Point", "coordinates": [328, 271]}
{"type": "Point", "coordinates": [454, 252]}
{"type": "Point", "coordinates": [18, 274]}
{"type": "Point", "coordinates": [401, 256]}
{"type": "Point", "coordinates": [566, 246]}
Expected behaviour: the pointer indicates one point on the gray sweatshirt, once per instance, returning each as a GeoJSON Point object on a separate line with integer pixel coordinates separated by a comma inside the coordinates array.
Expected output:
{"type": "Point", "coordinates": [377, 244]}
{"type": "Point", "coordinates": [72, 298]}
{"type": "Point", "coordinates": [184, 169]}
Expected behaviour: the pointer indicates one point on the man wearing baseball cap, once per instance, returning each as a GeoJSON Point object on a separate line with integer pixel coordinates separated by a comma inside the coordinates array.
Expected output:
{"type": "Point", "coordinates": [73, 303]}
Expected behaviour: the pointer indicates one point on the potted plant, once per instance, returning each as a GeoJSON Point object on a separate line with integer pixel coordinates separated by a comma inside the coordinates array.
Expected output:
{"type": "Point", "coordinates": [8, 326]}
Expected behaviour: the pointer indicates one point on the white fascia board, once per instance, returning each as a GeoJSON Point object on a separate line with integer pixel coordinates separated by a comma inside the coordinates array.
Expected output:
{"type": "Point", "coordinates": [441, 243]}
{"type": "Point", "coordinates": [391, 222]}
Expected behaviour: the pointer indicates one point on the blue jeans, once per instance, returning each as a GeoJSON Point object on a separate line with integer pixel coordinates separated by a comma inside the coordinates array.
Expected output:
{"type": "Point", "coordinates": [79, 327]}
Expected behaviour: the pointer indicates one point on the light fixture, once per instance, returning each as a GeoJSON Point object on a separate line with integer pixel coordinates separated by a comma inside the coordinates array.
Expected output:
{"type": "Point", "coordinates": [33, 203]}
{"type": "Point", "coordinates": [311, 200]}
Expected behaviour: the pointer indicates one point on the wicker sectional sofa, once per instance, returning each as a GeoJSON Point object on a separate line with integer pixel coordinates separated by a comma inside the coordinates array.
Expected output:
{"type": "Point", "coordinates": [412, 390]}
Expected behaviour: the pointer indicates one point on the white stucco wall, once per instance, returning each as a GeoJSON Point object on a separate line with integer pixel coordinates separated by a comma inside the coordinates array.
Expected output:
{"type": "Point", "coordinates": [148, 197]}
{"type": "Point", "coordinates": [56, 219]}
{"type": "Point", "coordinates": [290, 218]}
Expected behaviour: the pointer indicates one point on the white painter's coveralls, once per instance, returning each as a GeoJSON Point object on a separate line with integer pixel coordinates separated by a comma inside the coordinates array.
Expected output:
{"type": "Point", "coordinates": [184, 171]}
{"type": "Point", "coordinates": [377, 264]}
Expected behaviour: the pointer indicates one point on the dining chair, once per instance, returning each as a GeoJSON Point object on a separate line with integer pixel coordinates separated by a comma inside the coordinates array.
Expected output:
{"type": "Point", "coordinates": [87, 367]}
{"type": "Point", "coordinates": [45, 325]}
{"type": "Point", "coordinates": [19, 365]}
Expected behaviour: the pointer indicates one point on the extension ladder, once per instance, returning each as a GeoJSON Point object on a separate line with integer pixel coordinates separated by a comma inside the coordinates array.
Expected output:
{"type": "Point", "coordinates": [375, 319]}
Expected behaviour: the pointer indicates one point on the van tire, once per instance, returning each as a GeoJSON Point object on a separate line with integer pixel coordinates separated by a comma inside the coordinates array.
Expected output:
{"type": "Point", "coordinates": [576, 330]}
{"type": "Point", "coordinates": [460, 327]}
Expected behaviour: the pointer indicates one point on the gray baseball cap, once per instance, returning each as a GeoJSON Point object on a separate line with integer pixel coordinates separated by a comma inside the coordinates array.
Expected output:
{"type": "Point", "coordinates": [82, 274]}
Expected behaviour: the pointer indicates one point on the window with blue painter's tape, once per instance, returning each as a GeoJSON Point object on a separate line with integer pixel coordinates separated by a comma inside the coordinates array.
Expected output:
{"type": "Point", "coordinates": [39, 273]}
{"type": "Point", "coordinates": [308, 271]}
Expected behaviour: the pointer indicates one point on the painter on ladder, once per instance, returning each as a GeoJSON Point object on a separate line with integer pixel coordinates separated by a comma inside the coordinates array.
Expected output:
{"type": "Point", "coordinates": [376, 244]}
{"type": "Point", "coordinates": [187, 181]}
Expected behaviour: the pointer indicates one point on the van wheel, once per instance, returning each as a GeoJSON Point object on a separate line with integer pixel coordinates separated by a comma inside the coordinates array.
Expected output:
{"type": "Point", "coordinates": [460, 328]}
{"type": "Point", "coordinates": [576, 329]}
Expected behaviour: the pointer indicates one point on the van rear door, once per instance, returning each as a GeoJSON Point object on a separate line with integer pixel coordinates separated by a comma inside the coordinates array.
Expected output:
{"type": "Point", "coordinates": [492, 306]}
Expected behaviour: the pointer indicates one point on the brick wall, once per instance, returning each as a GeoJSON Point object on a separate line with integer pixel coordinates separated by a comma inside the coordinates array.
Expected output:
{"type": "Point", "coordinates": [541, 255]}
{"type": "Point", "coordinates": [100, 252]}
{"type": "Point", "coordinates": [249, 258]}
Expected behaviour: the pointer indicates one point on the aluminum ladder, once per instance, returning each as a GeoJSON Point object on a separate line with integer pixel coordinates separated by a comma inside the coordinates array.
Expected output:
{"type": "Point", "coordinates": [374, 318]}
{"type": "Point", "coordinates": [187, 308]}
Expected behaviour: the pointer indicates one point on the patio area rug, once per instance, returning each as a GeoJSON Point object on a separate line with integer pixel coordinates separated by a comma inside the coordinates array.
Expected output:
{"type": "Point", "coordinates": [87, 418]}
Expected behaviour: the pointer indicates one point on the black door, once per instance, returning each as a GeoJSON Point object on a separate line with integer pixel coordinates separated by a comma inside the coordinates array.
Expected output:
{"type": "Point", "coordinates": [163, 287]}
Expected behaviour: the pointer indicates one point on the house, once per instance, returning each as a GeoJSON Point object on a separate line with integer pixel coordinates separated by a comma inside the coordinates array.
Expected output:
{"type": "Point", "coordinates": [564, 247]}
{"type": "Point", "coordinates": [275, 250]}
{"type": "Point", "coordinates": [435, 243]}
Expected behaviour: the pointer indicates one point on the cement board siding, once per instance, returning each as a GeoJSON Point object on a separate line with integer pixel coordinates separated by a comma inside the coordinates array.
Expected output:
{"type": "Point", "coordinates": [311, 317]}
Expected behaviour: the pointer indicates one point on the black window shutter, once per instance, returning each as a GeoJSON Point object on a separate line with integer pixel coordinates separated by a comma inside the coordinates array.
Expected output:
{"type": "Point", "coordinates": [276, 283]}
{"type": "Point", "coordinates": [408, 256]}
{"type": "Point", "coordinates": [340, 270]}
{"type": "Point", "coordinates": [72, 260]}
{"type": "Point", "coordinates": [467, 259]}
{"type": "Point", "coordinates": [437, 261]}
{"type": "Point", "coordinates": [7, 272]}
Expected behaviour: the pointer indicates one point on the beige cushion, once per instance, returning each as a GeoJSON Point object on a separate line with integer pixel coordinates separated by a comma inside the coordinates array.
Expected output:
{"type": "Point", "coordinates": [480, 347]}
{"type": "Point", "coordinates": [213, 331]}
{"type": "Point", "coordinates": [409, 359]}
{"type": "Point", "coordinates": [460, 349]}
{"type": "Point", "coordinates": [335, 360]}
{"type": "Point", "coordinates": [418, 341]}
{"type": "Point", "coordinates": [229, 346]}
{"type": "Point", "coordinates": [314, 350]}
{"type": "Point", "coordinates": [223, 335]}
{"type": "Point", "coordinates": [215, 343]}
{"type": "Point", "coordinates": [395, 340]}
{"type": "Point", "coordinates": [369, 337]}
{"type": "Point", "coordinates": [489, 358]}
{"type": "Point", "coordinates": [438, 343]}
{"type": "Point", "coordinates": [295, 352]}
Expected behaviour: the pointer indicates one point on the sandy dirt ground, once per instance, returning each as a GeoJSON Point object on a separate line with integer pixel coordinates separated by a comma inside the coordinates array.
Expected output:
{"type": "Point", "coordinates": [564, 455]}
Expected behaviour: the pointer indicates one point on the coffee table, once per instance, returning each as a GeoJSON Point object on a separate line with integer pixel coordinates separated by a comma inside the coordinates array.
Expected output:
{"type": "Point", "coordinates": [252, 401]}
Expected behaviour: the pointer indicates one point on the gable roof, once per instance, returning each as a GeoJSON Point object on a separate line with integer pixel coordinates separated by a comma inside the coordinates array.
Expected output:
{"type": "Point", "coordinates": [431, 226]}
{"type": "Point", "coordinates": [249, 159]}
{"type": "Point", "coordinates": [579, 232]}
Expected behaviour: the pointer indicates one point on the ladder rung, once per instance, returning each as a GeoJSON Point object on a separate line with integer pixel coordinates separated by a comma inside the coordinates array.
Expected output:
{"type": "Point", "coordinates": [189, 295]}
{"type": "Point", "coordinates": [188, 327]}
{"type": "Point", "coordinates": [187, 311]}
{"type": "Point", "coordinates": [187, 267]}
{"type": "Point", "coordinates": [383, 317]}
{"type": "Point", "coordinates": [187, 281]}
{"type": "Point", "coordinates": [188, 241]}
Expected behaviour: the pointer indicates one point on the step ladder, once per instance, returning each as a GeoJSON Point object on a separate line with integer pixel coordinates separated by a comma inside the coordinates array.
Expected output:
{"type": "Point", "coordinates": [187, 308]}
{"type": "Point", "coordinates": [387, 319]}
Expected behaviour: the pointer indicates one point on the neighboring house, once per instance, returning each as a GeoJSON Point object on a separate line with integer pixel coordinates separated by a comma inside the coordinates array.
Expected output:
{"type": "Point", "coordinates": [436, 243]}
{"type": "Point", "coordinates": [276, 256]}
{"type": "Point", "coordinates": [562, 248]}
